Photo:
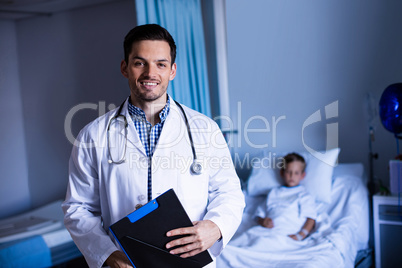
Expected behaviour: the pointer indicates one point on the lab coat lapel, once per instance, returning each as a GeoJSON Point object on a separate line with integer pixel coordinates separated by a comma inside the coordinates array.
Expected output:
{"type": "Point", "coordinates": [173, 131]}
{"type": "Point", "coordinates": [170, 147]}
{"type": "Point", "coordinates": [133, 139]}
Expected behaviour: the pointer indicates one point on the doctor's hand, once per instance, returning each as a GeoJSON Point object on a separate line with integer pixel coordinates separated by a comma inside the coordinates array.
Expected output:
{"type": "Point", "coordinates": [198, 238]}
{"type": "Point", "coordinates": [118, 260]}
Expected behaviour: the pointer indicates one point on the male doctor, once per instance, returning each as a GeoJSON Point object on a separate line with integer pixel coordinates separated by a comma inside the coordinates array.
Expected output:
{"type": "Point", "coordinates": [158, 156]}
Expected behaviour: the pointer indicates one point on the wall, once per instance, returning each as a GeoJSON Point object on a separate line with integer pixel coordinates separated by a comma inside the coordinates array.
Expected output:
{"type": "Point", "coordinates": [68, 60]}
{"type": "Point", "coordinates": [14, 192]}
{"type": "Point", "coordinates": [289, 59]}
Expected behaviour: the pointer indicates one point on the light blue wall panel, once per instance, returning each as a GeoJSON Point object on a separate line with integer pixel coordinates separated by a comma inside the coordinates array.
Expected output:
{"type": "Point", "coordinates": [293, 58]}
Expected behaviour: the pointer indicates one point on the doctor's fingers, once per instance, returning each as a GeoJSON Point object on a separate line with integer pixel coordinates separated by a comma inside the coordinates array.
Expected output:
{"type": "Point", "coordinates": [188, 243]}
{"type": "Point", "coordinates": [118, 260]}
{"type": "Point", "coordinates": [182, 231]}
{"type": "Point", "coordinates": [191, 253]}
{"type": "Point", "coordinates": [188, 248]}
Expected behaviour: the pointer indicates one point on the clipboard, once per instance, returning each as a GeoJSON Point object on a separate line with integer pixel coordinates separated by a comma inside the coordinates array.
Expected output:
{"type": "Point", "coordinates": [142, 234]}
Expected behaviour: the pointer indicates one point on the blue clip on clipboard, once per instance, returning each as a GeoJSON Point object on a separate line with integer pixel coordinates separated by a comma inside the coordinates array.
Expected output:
{"type": "Point", "coordinates": [142, 234]}
{"type": "Point", "coordinates": [143, 211]}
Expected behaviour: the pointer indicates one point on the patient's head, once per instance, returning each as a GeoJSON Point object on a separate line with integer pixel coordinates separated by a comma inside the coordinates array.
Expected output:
{"type": "Point", "coordinates": [292, 171]}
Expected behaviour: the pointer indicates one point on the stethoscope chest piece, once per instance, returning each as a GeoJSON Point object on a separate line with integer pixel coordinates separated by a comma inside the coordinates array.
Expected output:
{"type": "Point", "coordinates": [196, 167]}
{"type": "Point", "coordinates": [110, 161]}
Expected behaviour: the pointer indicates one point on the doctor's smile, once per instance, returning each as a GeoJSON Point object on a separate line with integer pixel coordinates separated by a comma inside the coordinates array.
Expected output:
{"type": "Point", "coordinates": [149, 84]}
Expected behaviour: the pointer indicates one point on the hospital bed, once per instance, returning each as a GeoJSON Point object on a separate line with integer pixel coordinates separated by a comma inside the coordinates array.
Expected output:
{"type": "Point", "coordinates": [36, 238]}
{"type": "Point", "coordinates": [341, 234]}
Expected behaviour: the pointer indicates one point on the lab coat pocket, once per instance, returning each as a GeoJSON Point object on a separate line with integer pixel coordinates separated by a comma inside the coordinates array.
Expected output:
{"type": "Point", "coordinates": [193, 193]}
{"type": "Point", "coordinates": [164, 177]}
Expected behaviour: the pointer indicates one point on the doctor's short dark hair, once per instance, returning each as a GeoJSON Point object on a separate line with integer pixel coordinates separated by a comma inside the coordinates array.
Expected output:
{"type": "Point", "coordinates": [148, 32]}
{"type": "Point", "coordinates": [292, 157]}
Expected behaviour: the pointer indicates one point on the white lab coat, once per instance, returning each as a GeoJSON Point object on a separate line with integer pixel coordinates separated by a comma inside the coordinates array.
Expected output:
{"type": "Point", "coordinates": [100, 193]}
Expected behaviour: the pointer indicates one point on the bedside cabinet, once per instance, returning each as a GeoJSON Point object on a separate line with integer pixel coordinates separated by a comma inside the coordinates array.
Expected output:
{"type": "Point", "coordinates": [387, 231]}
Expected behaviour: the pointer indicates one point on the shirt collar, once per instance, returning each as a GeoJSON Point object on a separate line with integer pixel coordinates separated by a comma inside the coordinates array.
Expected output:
{"type": "Point", "coordinates": [138, 114]}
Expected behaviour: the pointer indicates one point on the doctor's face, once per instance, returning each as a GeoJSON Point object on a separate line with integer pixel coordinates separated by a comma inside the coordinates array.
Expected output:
{"type": "Point", "coordinates": [149, 70]}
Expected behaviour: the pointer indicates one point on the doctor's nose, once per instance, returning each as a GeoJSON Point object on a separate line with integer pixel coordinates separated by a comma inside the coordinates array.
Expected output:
{"type": "Point", "coordinates": [150, 70]}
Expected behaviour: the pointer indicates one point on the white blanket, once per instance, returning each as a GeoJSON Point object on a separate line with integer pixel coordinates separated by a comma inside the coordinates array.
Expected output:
{"type": "Point", "coordinates": [341, 230]}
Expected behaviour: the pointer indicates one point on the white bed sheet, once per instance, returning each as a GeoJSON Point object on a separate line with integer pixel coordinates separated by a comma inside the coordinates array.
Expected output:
{"type": "Point", "coordinates": [342, 228]}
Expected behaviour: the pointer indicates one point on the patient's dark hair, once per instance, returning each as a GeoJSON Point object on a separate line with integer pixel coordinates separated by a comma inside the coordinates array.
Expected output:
{"type": "Point", "coordinates": [289, 158]}
{"type": "Point", "coordinates": [148, 32]}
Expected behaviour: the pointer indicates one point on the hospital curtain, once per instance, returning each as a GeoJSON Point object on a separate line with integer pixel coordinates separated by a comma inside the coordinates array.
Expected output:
{"type": "Point", "coordinates": [183, 19]}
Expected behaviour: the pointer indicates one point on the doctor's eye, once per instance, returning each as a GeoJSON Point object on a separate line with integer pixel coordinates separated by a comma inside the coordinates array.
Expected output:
{"type": "Point", "coordinates": [139, 63]}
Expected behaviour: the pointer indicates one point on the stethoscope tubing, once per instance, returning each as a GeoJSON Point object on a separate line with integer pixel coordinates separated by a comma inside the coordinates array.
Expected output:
{"type": "Point", "coordinates": [190, 136]}
{"type": "Point", "coordinates": [196, 167]}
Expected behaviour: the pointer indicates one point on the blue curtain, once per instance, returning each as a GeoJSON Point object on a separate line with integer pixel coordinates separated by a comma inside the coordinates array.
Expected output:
{"type": "Point", "coordinates": [183, 19]}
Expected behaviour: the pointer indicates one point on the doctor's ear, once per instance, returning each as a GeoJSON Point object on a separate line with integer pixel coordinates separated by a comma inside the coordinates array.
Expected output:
{"type": "Point", "coordinates": [173, 71]}
{"type": "Point", "coordinates": [123, 68]}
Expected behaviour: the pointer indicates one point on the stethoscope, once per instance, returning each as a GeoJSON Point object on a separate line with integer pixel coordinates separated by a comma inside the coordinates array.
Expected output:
{"type": "Point", "coordinates": [195, 168]}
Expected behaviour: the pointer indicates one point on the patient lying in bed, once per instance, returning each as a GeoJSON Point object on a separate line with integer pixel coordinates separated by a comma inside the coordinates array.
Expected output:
{"type": "Point", "coordinates": [288, 215]}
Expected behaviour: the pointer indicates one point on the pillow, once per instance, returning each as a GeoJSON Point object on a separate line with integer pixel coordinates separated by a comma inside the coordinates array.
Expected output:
{"type": "Point", "coordinates": [354, 169]}
{"type": "Point", "coordinates": [318, 181]}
